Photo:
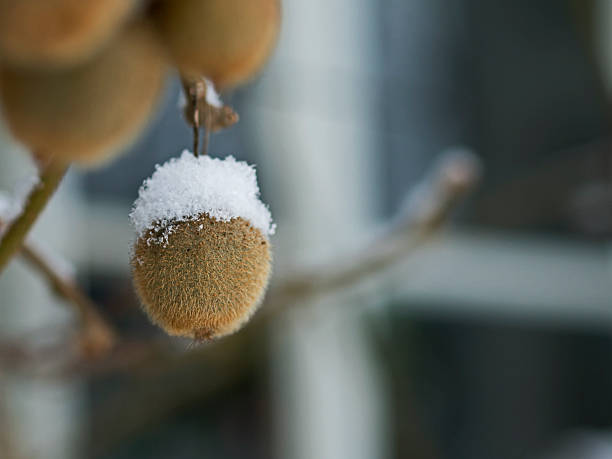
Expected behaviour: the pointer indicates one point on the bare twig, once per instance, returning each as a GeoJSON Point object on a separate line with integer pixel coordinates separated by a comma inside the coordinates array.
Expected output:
{"type": "Point", "coordinates": [97, 337]}
{"type": "Point", "coordinates": [428, 208]}
{"type": "Point", "coordinates": [50, 177]}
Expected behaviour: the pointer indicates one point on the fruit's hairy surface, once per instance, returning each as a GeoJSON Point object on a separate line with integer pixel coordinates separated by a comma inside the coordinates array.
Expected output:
{"type": "Point", "coordinates": [90, 112]}
{"type": "Point", "coordinates": [43, 33]}
{"type": "Point", "coordinates": [206, 281]}
{"type": "Point", "coordinates": [227, 41]}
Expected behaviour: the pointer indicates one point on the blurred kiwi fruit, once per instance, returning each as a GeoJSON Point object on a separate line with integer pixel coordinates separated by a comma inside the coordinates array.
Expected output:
{"type": "Point", "coordinates": [90, 112]}
{"type": "Point", "coordinates": [51, 33]}
{"type": "Point", "coordinates": [227, 41]}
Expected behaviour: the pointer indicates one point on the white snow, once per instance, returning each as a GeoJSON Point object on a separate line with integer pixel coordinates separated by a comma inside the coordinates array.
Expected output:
{"type": "Point", "coordinates": [185, 187]}
{"type": "Point", "coordinates": [11, 205]}
{"type": "Point", "coordinates": [212, 97]}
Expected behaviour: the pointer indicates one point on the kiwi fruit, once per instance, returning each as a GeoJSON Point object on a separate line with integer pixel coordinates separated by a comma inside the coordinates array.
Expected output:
{"type": "Point", "coordinates": [90, 112]}
{"type": "Point", "coordinates": [226, 41]}
{"type": "Point", "coordinates": [206, 280]}
{"type": "Point", "coordinates": [42, 33]}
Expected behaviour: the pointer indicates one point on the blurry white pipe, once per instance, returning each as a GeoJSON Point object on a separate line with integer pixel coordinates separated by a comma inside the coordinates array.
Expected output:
{"type": "Point", "coordinates": [314, 123]}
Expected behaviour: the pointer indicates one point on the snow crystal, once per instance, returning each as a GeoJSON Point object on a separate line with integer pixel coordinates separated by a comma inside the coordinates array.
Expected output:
{"type": "Point", "coordinates": [212, 97]}
{"type": "Point", "coordinates": [184, 188]}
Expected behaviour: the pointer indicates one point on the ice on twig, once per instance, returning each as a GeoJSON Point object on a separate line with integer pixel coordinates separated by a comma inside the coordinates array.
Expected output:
{"type": "Point", "coordinates": [455, 168]}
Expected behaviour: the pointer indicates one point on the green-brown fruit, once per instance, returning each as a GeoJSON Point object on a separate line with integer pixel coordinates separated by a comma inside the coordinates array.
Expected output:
{"type": "Point", "coordinates": [91, 112]}
{"type": "Point", "coordinates": [43, 33]}
{"type": "Point", "coordinates": [206, 281]}
{"type": "Point", "coordinates": [227, 41]}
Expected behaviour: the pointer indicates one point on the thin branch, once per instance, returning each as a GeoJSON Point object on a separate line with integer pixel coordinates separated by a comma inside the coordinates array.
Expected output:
{"type": "Point", "coordinates": [98, 337]}
{"type": "Point", "coordinates": [428, 207]}
{"type": "Point", "coordinates": [50, 178]}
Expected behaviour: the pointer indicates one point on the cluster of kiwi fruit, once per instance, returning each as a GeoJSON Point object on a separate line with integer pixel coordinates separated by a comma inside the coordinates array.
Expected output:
{"type": "Point", "coordinates": [80, 78]}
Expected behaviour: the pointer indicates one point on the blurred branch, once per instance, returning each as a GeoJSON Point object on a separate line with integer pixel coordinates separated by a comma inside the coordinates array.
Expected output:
{"type": "Point", "coordinates": [97, 336]}
{"type": "Point", "coordinates": [427, 208]}
{"type": "Point", "coordinates": [50, 177]}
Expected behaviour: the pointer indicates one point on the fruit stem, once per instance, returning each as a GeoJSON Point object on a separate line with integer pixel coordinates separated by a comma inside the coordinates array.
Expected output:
{"type": "Point", "coordinates": [207, 128]}
{"type": "Point", "coordinates": [192, 112]}
{"type": "Point", "coordinates": [50, 177]}
{"type": "Point", "coordinates": [196, 140]}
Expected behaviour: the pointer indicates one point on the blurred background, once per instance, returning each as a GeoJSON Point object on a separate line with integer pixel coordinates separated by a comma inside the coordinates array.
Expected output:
{"type": "Point", "coordinates": [493, 340]}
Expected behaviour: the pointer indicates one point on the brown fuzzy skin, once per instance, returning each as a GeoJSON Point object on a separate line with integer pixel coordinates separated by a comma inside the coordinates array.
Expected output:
{"type": "Point", "coordinates": [58, 32]}
{"type": "Point", "coordinates": [90, 112]}
{"type": "Point", "coordinates": [205, 283]}
{"type": "Point", "coordinates": [227, 41]}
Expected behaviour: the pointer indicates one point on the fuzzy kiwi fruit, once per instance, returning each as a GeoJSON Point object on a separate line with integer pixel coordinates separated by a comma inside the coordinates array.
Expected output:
{"type": "Point", "coordinates": [42, 33]}
{"type": "Point", "coordinates": [90, 112]}
{"type": "Point", "coordinates": [207, 279]}
{"type": "Point", "coordinates": [227, 41]}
